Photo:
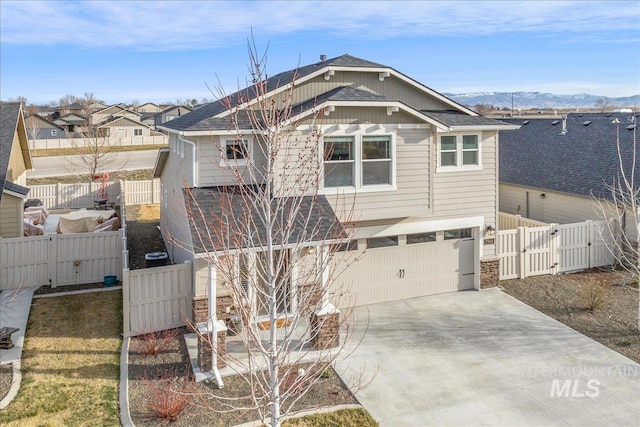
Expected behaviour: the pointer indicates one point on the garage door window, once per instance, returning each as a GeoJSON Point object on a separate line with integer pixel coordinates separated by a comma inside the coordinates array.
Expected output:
{"type": "Point", "coordinates": [461, 233]}
{"type": "Point", "coordinates": [421, 238]}
{"type": "Point", "coordinates": [382, 242]}
{"type": "Point", "coordinates": [351, 246]}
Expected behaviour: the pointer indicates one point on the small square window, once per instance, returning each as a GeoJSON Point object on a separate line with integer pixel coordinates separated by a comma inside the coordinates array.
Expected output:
{"type": "Point", "coordinates": [235, 152]}
{"type": "Point", "coordinates": [137, 132]}
{"type": "Point", "coordinates": [421, 238]}
{"type": "Point", "coordinates": [461, 233]}
{"type": "Point", "coordinates": [382, 242]}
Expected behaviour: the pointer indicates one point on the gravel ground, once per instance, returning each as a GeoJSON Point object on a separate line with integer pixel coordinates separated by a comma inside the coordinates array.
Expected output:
{"type": "Point", "coordinates": [6, 377]}
{"type": "Point", "coordinates": [603, 305]}
{"type": "Point", "coordinates": [170, 369]}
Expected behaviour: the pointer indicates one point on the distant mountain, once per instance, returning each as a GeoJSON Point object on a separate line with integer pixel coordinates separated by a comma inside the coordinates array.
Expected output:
{"type": "Point", "coordinates": [526, 100]}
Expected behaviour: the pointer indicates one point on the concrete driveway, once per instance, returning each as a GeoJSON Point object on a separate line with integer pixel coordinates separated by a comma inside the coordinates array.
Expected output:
{"type": "Point", "coordinates": [484, 358]}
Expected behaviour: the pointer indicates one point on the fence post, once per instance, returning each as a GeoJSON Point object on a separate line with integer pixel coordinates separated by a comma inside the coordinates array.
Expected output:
{"type": "Point", "coordinates": [154, 189]}
{"type": "Point", "coordinates": [58, 191]}
{"type": "Point", "coordinates": [554, 244]}
{"type": "Point", "coordinates": [521, 241]}
{"type": "Point", "coordinates": [126, 303]}
{"type": "Point", "coordinates": [52, 247]}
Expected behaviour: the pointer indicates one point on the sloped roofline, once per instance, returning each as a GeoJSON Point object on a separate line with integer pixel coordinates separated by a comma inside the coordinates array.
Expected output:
{"type": "Point", "coordinates": [329, 67]}
{"type": "Point", "coordinates": [116, 118]}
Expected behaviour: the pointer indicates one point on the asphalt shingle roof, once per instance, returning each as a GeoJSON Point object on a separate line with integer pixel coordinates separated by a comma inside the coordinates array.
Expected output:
{"type": "Point", "coordinates": [9, 113]}
{"type": "Point", "coordinates": [579, 162]}
{"type": "Point", "coordinates": [456, 118]}
{"type": "Point", "coordinates": [191, 121]}
{"type": "Point", "coordinates": [219, 212]}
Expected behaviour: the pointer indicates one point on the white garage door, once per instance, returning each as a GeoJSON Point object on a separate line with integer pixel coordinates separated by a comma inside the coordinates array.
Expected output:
{"type": "Point", "coordinates": [410, 270]}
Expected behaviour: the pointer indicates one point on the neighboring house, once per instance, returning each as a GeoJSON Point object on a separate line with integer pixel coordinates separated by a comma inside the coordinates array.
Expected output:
{"type": "Point", "coordinates": [170, 113]}
{"type": "Point", "coordinates": [71, 122]}
{"type": "Point", "coordinates": [75, 108]}
{"type": "Point", "coordinates": [429, 210]}
{"type": "Point", "coordinates": [96, 106]}
{"type": "Point", "coordinates": [149, 107]}
{"type": "Point", "coordinates": [15, 160]}
{"type": "Point", "coordinates": [123, 127]}
{"type": "Point", "coordinates": [113, 111]}
{"type": "Point", "coordinates": [39, 127]}
{"type": "Point", "coordinates": [148, 119]}
{"type": "Point", "coordinates": [551, 169]}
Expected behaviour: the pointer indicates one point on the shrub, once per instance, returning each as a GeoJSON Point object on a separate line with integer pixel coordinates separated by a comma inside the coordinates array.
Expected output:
{"type": "Point", "coordinates": [153, 343]}
{"type": "Point", "coordinates": [168, 397]}
{"type": "Point", "coordinates": [593, 295]}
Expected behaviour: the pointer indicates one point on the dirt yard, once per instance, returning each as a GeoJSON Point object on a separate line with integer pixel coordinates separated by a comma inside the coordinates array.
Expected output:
{"type": "Point", "coordinates": [143, 235]}
{"type": "Point", "coordinates": [601, 305]}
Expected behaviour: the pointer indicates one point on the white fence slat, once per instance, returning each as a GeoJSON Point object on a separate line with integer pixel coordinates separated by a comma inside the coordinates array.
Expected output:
{"type": "Point", "coordinates": [83, 195]}
{"type": "Point", "coordinates": [158, 298]}
{"type": "Point", "coordinates": [509, 222]}
{"type": "Point", "coordinates": [530, 251]}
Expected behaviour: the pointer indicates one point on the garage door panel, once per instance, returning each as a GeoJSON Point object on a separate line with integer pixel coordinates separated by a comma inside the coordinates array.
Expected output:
{"type": "Point", "coordinates": [407, 271]}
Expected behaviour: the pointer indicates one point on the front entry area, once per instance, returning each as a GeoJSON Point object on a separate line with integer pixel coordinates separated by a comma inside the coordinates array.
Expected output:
{"type": "Point", "coordinates": [407, 266]}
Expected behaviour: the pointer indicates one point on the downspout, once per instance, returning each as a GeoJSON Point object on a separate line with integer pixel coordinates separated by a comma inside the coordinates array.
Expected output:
{"type": "Point", "coordinates": [193, 166]}
{"type": "Point", "coordinates": [212, 325]}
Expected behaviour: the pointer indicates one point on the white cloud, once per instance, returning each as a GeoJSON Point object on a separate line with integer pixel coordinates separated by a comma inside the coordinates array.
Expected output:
{"type": "Point", "coordinates": [191, 25]}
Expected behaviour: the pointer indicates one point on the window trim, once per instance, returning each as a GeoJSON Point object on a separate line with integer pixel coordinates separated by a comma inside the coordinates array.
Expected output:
{"type": "Point", "coordinates": [459, 166]}
{"type": "Point", "coordinates": [358, 162]}
{"type": "Point", "coordinates": [226, 162]}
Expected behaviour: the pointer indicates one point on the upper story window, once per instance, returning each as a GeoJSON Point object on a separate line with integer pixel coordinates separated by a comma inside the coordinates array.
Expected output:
{"type": "Point", "coordinates": [137, 132]}
{"type": "Point", "coordinates": [235, 153]}
{"type": "Point", "coordinates": [459, 152]}
{"type": "Point", "coordinates": [364, 162]}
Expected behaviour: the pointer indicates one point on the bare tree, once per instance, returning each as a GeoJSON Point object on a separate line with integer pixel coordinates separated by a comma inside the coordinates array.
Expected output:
{"type": "Point", "coordinates": [602, 104]}
{"type": "Point", "coordinates": [276, 247]}
{"type": "Point", "coordinates": [34, 126]}
{"type": "Point", "coordinates": [621, 206]}
{"type": "Point", "coordinates": [68, 99]}
{"type": "Point", "coordinates": [93, 153]}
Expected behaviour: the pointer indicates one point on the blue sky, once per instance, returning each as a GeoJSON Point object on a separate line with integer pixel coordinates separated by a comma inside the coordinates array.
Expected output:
{"type": "Point", "coordinates": [161, 51]}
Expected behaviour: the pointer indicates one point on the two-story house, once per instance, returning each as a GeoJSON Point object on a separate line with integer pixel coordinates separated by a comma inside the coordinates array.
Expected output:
{"type": "Point", "coordinates": [418, 169]}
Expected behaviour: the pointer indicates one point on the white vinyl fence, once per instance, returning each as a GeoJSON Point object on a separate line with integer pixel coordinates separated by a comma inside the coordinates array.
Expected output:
{"type": "Point", "coordinates": [82, 195]}
{"type": "Point", "coordinates": [509, 222]}
{"type": "Point", "coordinates": [531, 251]}
{"type": "Point", "coordinates": [60, 259]}
{"type": "Point", "coordinates": [43, 144]}
{"type": "Point", "coordinates": [155, 299]}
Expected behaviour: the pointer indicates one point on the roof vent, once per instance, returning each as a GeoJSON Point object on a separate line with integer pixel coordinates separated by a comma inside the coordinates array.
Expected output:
{"type": "Point", "coordinates": [526, 122]}
{"type": "Point", "coordinates": [555, 122]}
{"type": "Point", "coordinates": [586, 123]}
{"type": "Point", "coordinates": [631, 127]}
{"type": "Point", "coordinates": [323, 58]}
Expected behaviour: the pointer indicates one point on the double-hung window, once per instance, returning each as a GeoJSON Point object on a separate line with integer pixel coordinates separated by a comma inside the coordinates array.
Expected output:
{"type": "Point", "coordinates": [364, 162]}
{"type": "Point", "coordinates": [339, 161]}
{"type": "Point", "coordinates": [235, 153]}
{"type": "Point", "coordinates": [459, 152]}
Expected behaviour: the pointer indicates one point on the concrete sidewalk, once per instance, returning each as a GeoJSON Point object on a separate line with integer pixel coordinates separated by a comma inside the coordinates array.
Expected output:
{"type": "Point", "coordinates": [484, 358]}
{"type": "Point", "coordinates": [15, 305]}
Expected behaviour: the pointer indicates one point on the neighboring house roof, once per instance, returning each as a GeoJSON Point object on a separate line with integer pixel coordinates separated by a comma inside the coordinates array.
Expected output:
{"type": "Point", "coordinates": [280, 81]}
{"type": "Point", "coordinates": [577, 162]}
{"type": "Point", "coordinates": [10, 117]}
{"type": "Point", "coordinates": [111, 122]}
{"type": "Point", "coordinates": [16, 189]}
{"type": "Point", "coordinates": [456, 119]}
{"type": "Point", "coordinates": [45, 122]}
{"type": "Point", "coordinates": [74, 119]}
{"type": "Point", "coordinates": [210, 207]}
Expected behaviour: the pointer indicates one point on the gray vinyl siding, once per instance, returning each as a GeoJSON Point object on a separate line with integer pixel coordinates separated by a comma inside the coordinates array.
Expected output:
{"type": "Point", "coordinates": [469, 193]}
{"type": "Point", "coordinates": [363, 115]}
{"type": "Point", "coordinates": [554, 207]}
{"type": "Point", "coordinates": [411, 198]}
{"type": "Point", "coordinates": [210, 172]}
{"type": "Point", "coordinates": [173, 216]}
{"type": "Point", "coordinates": [391, 87]}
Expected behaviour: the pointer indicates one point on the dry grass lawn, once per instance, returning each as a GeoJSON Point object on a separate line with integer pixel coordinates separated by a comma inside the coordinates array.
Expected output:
{"type": "Point", "coordinates": [134, 175]}
{"type": "Point", "coordinates": [51, 152]}
{"type": "Point", "coordinates": [343, 418]}
{"type": "Point", "coordinates": [70, 363]}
